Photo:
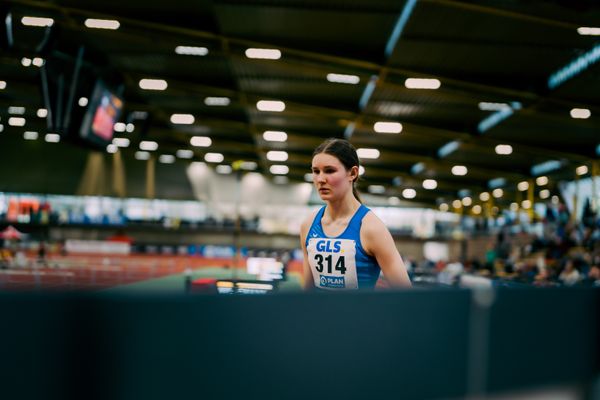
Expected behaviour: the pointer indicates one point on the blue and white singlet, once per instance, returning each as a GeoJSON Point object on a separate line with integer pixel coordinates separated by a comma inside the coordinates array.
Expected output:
{"type": "Point", "coordinates": [340, 262]}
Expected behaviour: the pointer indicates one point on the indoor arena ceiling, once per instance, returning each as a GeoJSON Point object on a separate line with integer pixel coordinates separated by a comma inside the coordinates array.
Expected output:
{"type": "Point", "coordinates": [509, 72]}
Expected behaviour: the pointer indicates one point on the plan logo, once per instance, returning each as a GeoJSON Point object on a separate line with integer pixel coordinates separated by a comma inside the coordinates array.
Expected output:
{"type": "Point", "coordinates": [333, 282]}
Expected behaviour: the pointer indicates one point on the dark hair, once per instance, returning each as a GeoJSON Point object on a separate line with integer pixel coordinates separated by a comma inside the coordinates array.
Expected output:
{"type": "Point", "coordinates": [343, 151]}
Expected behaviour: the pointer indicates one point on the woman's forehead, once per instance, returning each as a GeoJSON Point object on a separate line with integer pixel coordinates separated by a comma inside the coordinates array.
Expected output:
{"type": "Point", "coordinates": [325, 160]}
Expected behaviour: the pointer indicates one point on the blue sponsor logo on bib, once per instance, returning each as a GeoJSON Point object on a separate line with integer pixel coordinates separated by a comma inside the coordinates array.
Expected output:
{"type": "Point", "coordinates": [334, 282]}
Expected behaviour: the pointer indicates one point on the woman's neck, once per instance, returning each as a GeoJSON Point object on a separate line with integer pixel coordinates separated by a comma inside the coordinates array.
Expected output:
{"type": "Point", "coordinates": [342, 208]}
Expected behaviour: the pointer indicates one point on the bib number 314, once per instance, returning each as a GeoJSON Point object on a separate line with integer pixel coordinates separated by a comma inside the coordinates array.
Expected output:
{"type": "Point", "coordinates": [325, 264]}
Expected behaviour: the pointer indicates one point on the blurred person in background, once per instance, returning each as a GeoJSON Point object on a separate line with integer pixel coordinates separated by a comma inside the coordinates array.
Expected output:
{"type": "Point", "coordinates": [569, 275]}
{"type": "Point", "coordinates": [345, 245]}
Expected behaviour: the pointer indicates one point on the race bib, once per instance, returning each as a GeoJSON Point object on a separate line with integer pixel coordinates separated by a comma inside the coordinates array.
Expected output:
{"type": "Point", "coordinates": [333, 263]}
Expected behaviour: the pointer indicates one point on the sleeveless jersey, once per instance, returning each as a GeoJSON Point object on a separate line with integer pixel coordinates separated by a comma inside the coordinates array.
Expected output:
{"type": "Point", "coordinates": [340, 262]}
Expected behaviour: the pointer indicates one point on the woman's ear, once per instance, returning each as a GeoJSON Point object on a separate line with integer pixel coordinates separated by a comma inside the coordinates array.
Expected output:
{"type": "Point", "coordinates": [354, 173]}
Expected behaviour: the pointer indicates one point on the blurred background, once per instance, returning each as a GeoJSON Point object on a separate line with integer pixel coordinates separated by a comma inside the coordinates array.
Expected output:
{"type": "Point", "coordinates": [165, 147]}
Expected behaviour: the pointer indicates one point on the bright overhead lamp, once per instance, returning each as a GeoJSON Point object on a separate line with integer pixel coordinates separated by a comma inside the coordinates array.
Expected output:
{"type": "Point", "coordinates": [129, 127]}
{"type": "Point", "coordinates": [148, 145]}
{"type": "Point", "coordinates": [497, 193]}
{"type": "Point", "coordinates": [541, 180]}
{"type": "Point", "coordinates": [94, 23]}
{"type": "Point", "coordinates": [476, 209]}
{"type": "Point", "coordinates": [52, 137]}
{"type": "Point", "coordinates": [387, 127]}
{"type": "Point", "coordinates": [264, 54]}
{"type": "Point", "coordinates": [429, 184]}
{"type": "Point", "coordinates": [37, 21]}
{"type": "Point", "coordinates": [223, 169]}
{"type": "Point", "coordinates": [83, 101]}
{"type": "Point", "coordinates": [504, 149]}
{"type": "Point", "coordinates": [367, 153]}
{"type": "Point", "coordinates": [26, 61]}
{"type": "Point", "coordinates": [514, 207]}
{"type": "Point", "coordinates": [484, 196]}
{"type": "Point", "coordinates": [184, 153]}
{"type": "Point", "coordinates": [142, 155]}
{"type": "Point", "coordinates": [409, 193]}
{"type": "Point", "coordinates": [112, 149]}
{"type": "Point", "coordinates": [274, 136]}
{"type": "Point", "coordinates": [278, 169]}
{"type": "Point", "coordinates": [448, 148]}
{"type": "Point", "coordinates": [30, 135]}
{"type": "Point", "coordinates": [214, 157]}
{"type": "Point", "coordinates": [182, 119]}
{"type": "Point", "coordinates": [121, 142]}
{"type": "Point", "coordinates": [580, 113]}
{"type": "Point", "coordinates": [119, 127]}
{"type": "Point", "coordinates": [555, 199]}
{"type": "Point", "coordinates": [38, 61]}
{"type": "Point", "coordinates": [417, 168]}
{"type": "Point", "coordinates": [200, 141]}
{"type": "Point", "coordinates": [342, 78]}
{"type": "Point", "coordinates": [153, 84]}
{"type": "Point", "coordinates": [523, 186]}
{"type": "Point", "coordinates": [166, 159]}
{"type": "Point", "coordinates": [581, 170]}
{"type": "Point", "coordinates": [588, 31]}
{"type": "Point", "coordinates": [459, 170]}
{"type": "Point", "coordinates": [443, 207]}
{"type": "Point", "coordinates": [457, 204]}
{"type": "Point", "coordinates": [544, 194]}
{"type": "Point", "coordinates": [270, 105]}
{"type": "Point", "coordinates": [574, 67]}
{"type": "Point", "coordinates": [526, 204]}
{"type": "Point", "coordinates": [545, 167]}
{"type": "Point", "coordinates": [16, 110]}
{"type": "Point", "coordinates": [489, 106]}
{"type": "Point", "coordinates": [361, 170]}
{"type": "Point", "coordinates": [16, 121]}
{"type": "Point", "coordinates": [217, 101]}
{"type": "Point", "coordinates": [42, 113]}
{"type": "Point", "coordinates": [191, 50]}
{"type": "Point", "coordinates": [376, 189]}
{"type": "Point", "coordinates": [275, 155]}
{"type": "Point", "coordinates": [419, 83]}
{"type": "Point", "coordinates": [2, 85]}
{"type": "Point", "coordinates": [467, 201]}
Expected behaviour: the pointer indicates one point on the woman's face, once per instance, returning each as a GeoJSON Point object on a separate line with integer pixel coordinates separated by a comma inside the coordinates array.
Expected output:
{"type": "Point", "coordinates": [330, 177]}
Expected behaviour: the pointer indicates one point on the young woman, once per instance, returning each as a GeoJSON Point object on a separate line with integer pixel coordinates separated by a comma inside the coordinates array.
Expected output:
{"type": "Point", "coordinates": [345, 245]}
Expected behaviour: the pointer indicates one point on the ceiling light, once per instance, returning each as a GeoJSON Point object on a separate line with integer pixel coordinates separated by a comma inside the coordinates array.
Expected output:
{"type": "Point", "coordinates": [544, 194]}
{"type": "Point", "coordinates": [541, 180]}
{"type": "Point", "coordinates": [429, 184]}
{"type": "Point", "coordinates": [279, 169]}
{"type": "Point", "coordinates": [102, 23]}
{"type": "Point", "coordinates": [83, 101]}
{"type": "Point", "coordinates": [504, 149]}
{"type": "Point", "coordinates": [16, 121]}
{"type": "Point", "coordinates": [418, 83]}
{"type": "Point", "coordinates": [574, 67]}
{"type": "Point", "coordinates": [448, 148]}
{"type": "Point", "coordinates": [182, 119]}
{"type": "Point", "coordinates": [191, 50]}
{"type": "Point", "coordinates": [16, 110]}
{"type": "Point", "coordinates": [148, 145]}
{"type": "Point", "coordinates": [417, 168]}
{"type": "Point", "coordinates": [265, 54]}
{"type": "Point", "coordinates": [494, 119]}
{"type": "Point", "coordinates": [121, 142]}
{"type": "Point", "coordinates": [526, 204]}
{"type": "Point", "coordinates": [52, 138]}
{"type": "Point", "coordinates": [459, 170]}
{"type": "Point", "coordinates": [409, 193]}
{"type": "Point", "coordinates": [514, 207]}
{"type": "Point", "coordinates": [129, 127]}
{"type": "Point", "coordinates": [217, 101]}
{"type": "Point", "coordinates": [25, 61]}
{"type": "Point", "coordinates": [223, 169]}
{"type": "Point", "coordinates": [2, 85]}
{"type": "Point", "coordinates": [153, 84]}
{"type": "Point", "coordinates": [484, 196]}
{"type": "Point", "coordinates": [111, 148]}
{"type": "Point", "coordinates": [586, 30]}
{"type": "Point", "coordinates": [142, 155]}
{"type": "Point", "coordinates": [214, 157]}
{"type": "Point", "coordinates": [487, 106]}
{"type": "Point", "coordinates": [277, 155]}
{"type": "Point", "coordinates": [119, 127]}
{"type": "Point", "coordinates": [281, 180]}
{"type": "Point", "coordinates": [497, 193]}
{"type": "Point", "coordinates": [37, 21]}
{"type": "Point", "coordinates": [387, 127]}
{"type": "Point", "coordinates": [38, 62]}
{"type": "Point", "coordinates": [200, 141]}
{"type": "Point", "coordinates": [545, 167]}
{"type": "Point", "coordinates": [248, 165]}
{"type": "Point", "coordinates": [523, 186]}
{"type": "Point", "coordinates": [467, 201]}
{"type": "Point", "coordinates": [42, 113]}
{"type": "Point", "coordinates": [270, 105]}
{"type": "Point", "coordinates": [368, 153]}
{"type": "Point", "coordinates": [341, 78]}
{"type": "Point", "coordinates": [555, 199]}
{"type": "Point", "coordinates": [274, 136]}
{"type": "Point", "coordinates": [476, 209]}
{"type": "Point", "coordinates": [457, 204]}
{"type": "Point", "coordinates": [361, 170]}
{"type": "Point", "coordinates": [166, 159]}
{"type": "Point", "coordinates": [376, 189]}
{"type": "Point", "coordinates": [184, 153]}
{"type": "Point", "coordinates": [443, 207]}
{"type": "Point", "coordinates": [30, 135]}
{"type": "Point", "coordinates": [581, 170]}
{"type": "Point", "coordinates": [580, 113]}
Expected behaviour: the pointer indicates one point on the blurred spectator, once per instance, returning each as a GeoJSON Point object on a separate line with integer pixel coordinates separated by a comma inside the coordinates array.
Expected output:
{"type": "Point", "coordinates": [570, 275]}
